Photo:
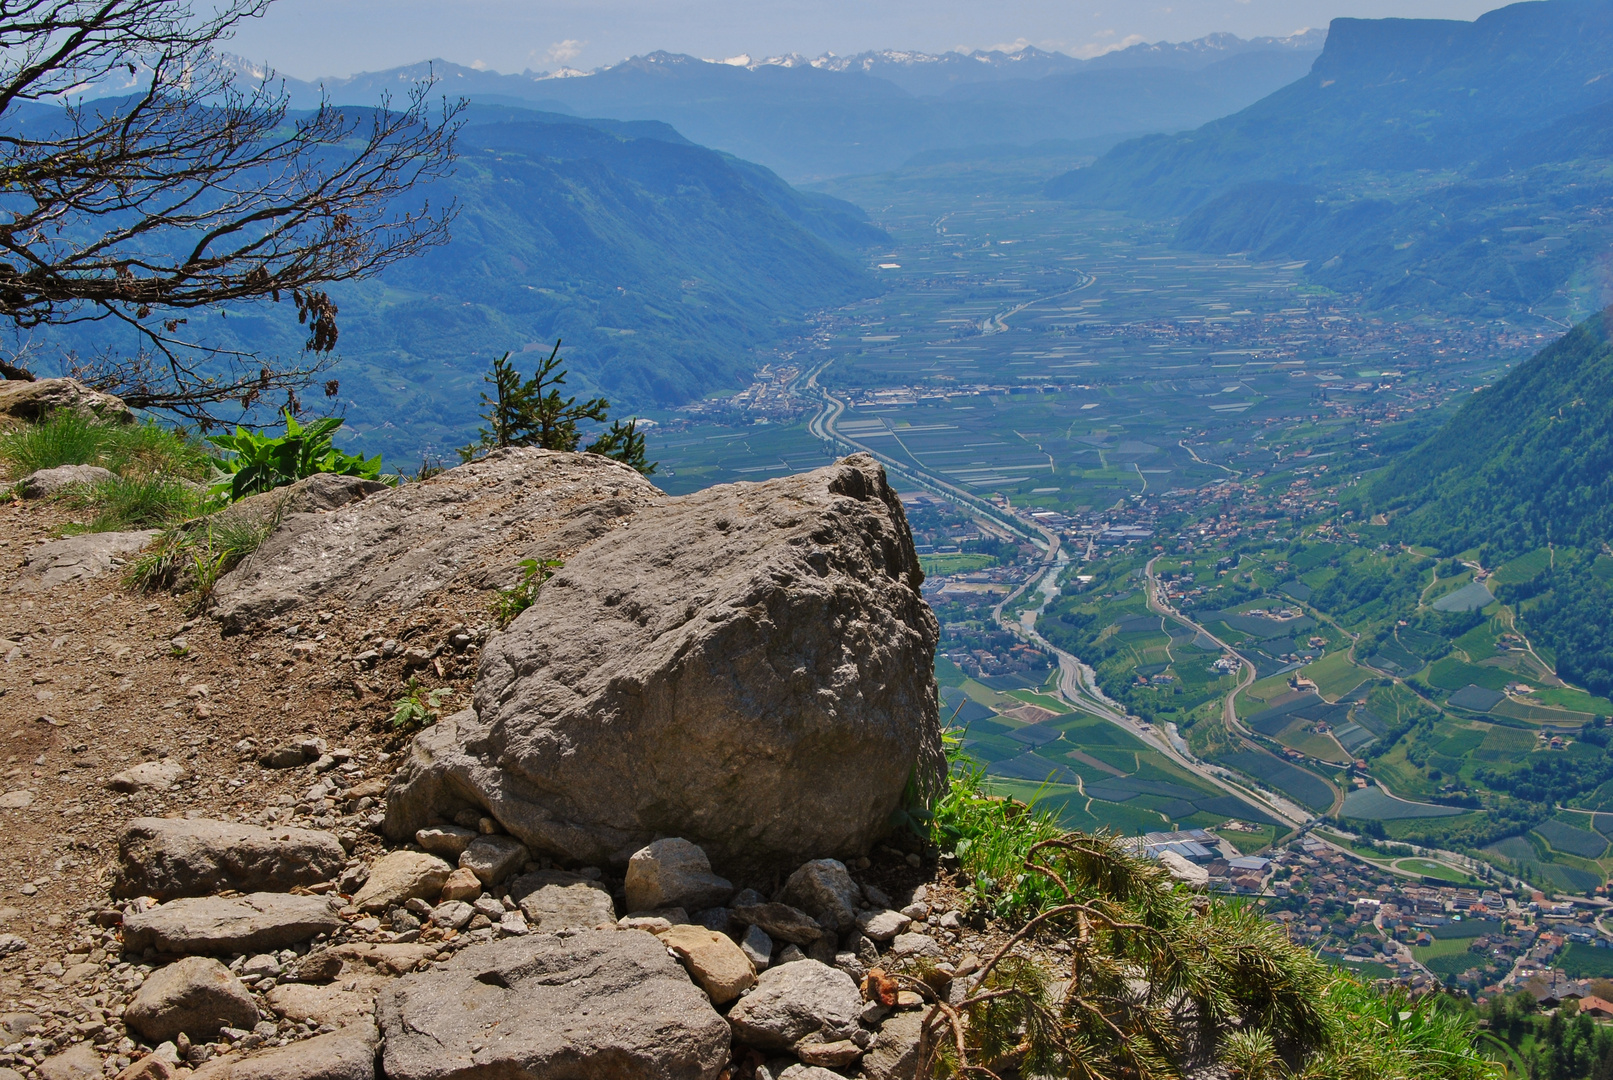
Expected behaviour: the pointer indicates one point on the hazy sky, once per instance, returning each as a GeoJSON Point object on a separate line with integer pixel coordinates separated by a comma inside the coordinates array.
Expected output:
{"type": "Point", "coordinates": [304, 38]}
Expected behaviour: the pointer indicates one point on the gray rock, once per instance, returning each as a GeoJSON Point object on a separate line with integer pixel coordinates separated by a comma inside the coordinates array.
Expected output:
{"type": "Point", "coordinates": [35, 400]}
{"type": "Point", "coordinates": [169, 858]}
{"type": "Point", "coordinates": [809, 1072]}
{"type": "Point", "coordinates": [894, 1054]}
{"type": "Point", "coordinates": [292, 754]}
{"type": "Point", "coordinates": [316, 494]}
{"type": "Point", "coordinates": [917, 945]}
{"type": "Point", "coordinates": [466, 528]}
{"type": "Point", "coordinates": [494, 858]}
{"type": "Point", "coordinates": [400, 875]}
{"type": "Point", "coordinates": [792, 1001]}
{"type": "Point", "coordinates": [448, 841]}
{"type": "Point", "coordinates": [47, 482]}
{"type": "Point", "coordinates": [348, 1054]}
{"type": "Point", "coordinates": [78, 558]}
{"type": "Point", "coordinates": [453, 914]}
{"type": "Point", "coordinates": [213, 924]}
{"type": "Point", "coordinates": [758, 946]}
{"type": "Point", "coordinates": [780, 921]}
{"type": "Point", "coordinates": [78, 1062]}
{"type": "Point", "coordinates": [884, 925]}
{"type": "Point", "coordinates": [747, 667]}
{"type": "Point", "coordinates": [15, 1025]}
{"type": "Point", "coordinates": [823, 889]}
{"type": "Point", "coordinates": [673, 873]}
{"type": "Point", "coordinates": [790, 954]}
{"type": "Point", "coordinates": [554, 900]}
{"type": "Point", "coordinates": [541, 1007]}
{"type": "Point", "coordinates": [148, 776]}
{"type": "Point", "coordinates": [195, 996]}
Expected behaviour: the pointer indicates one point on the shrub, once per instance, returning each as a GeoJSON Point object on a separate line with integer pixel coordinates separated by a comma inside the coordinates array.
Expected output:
{"type": "Point", "coordinates": [259, 462]}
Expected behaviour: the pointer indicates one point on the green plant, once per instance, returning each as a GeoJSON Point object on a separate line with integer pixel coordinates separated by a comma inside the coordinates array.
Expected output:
{"type": "Point", "coordinates": [66, 437]}
{"type": "Point", "coordinates": [416, 710]}
{"type": "Point", "coordinates": [991, 837]}
{"type": "Point", "coordinates": [139, 502]}
{"type": "Point", "coordinates": [261, 462]}
{"type": "Point", "coordinates": [194, 558]}
{"type": "Point", "coordinates": [531, 412]}
{"type": "Point", "coordinates": [512, 601]}
{"type": "Point", "coordinates": [63, 438]}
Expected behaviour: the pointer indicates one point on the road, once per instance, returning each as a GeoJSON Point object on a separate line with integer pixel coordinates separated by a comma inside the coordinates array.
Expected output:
{"type": "Point", "coordinates": [1077, 682]}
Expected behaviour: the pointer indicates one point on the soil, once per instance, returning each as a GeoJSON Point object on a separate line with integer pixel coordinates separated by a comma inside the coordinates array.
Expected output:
{"type": "Point", "coordinates": [95, 678]}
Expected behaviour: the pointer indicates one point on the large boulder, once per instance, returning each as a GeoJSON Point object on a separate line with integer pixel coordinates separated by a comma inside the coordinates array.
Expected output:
{"type": "Point", "coordinates": [748, 667]}
{"type": "Point", "coordinates": [599, 1003]}
{"type": "Point", "coordinates": [468, 527]}
{"type": "Point", "coordinates": [171, 857]}
{"type": "Point", "coordinates": [23, 400]}
{"type": "Point", "coordinates": [257, 922]}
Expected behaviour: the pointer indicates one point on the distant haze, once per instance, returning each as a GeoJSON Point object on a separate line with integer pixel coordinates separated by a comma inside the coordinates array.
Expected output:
{"type": "Point", "coordinates": [311, 38]}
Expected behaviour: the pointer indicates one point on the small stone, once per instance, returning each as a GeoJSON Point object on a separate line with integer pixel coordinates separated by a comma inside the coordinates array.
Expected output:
{"type": "Point", "coordinates": [832, 1055]}
{"type": "Point", "coordinates": [18, 799]}
{"type": "Point", "coordinates": [673, 873]}
{"type": "Point", "coordinates": [717, 965]}
{"type": "Point", "coordinates": [792, 1001]}
{"type": "Point", "coordinates": [757, 946]}
{"type": "Point", "coordinates": [494, 858]}
{"type": "Point", "coordinates": [462, 884]}
{"type": "Point", "coordinates": [452, 914]}
{"type": "Point", "coordinates": [78, 1062]}
{"type": "Point", "coordinates": [780, 921]}
{"type": "Point", "coordinates": [317, 967]}
{"type": "Point", "coordinates": [916, 945]}
{"type": "Point", "coordinates": [229, 925]}
{"type": "Point", "coordinates": [807, 1072]}
{"type": "Point", "coordinates": [554, 900]}
{"type": "Point", "coordinates": [823, 889]}
{"type": "Point", "coordinates": [790, 954]}
{"type": "Point", "coordinates": [951, 920]}
{"type": "Point", "coordinates": [894, 1053]}
{"type": "Point", "coordinates": [884, 925]}
{"type": "Point", "coordinates": [449, 841]}
{"type": "Point", "coordinates": [196, 995]}
{"type": "Point", "coordinates": [916, 911]}
{"type": "Point", "coordinates": [397, 876]}
{"type": "Point", "coordinates": [258, 966]}
{"type": "Point", "coordinates": [909, 999]}
{"type": "Point", "coordinates": [513, 923]}
{"type": "Point", "coordinates": [148, 776]}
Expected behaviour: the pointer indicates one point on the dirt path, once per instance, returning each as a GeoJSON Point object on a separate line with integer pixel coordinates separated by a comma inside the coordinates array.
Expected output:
{"type": "Point", "coordinates": [96, 679]}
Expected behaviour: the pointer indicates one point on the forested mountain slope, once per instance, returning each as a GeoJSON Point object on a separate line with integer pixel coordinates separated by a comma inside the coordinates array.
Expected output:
{"type": "Point", "coordinates": [1463, 164]}
{"type": "Point", "coordinates": [1528, 464]}
{"type": "Point", "coordinates": [667, 268]}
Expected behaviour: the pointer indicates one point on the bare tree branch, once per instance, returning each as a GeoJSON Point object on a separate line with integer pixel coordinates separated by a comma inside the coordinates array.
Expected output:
{"type": "Point", "coordinates": [194, 190]}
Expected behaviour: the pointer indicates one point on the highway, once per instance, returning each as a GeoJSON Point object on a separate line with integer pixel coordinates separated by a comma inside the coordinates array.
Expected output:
{"type": "Point", "coordinates": [1077, 682]}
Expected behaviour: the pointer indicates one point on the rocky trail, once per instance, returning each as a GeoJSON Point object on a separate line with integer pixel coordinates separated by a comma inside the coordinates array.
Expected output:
{"type": "Point", "coordinates": [647, 838]}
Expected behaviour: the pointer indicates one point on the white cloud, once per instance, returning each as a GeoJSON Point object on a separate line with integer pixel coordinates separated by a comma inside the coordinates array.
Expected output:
{"type": "Point", "coordinates": [562, 52]}
{"type": "Point", "coordinates": [478, 65]}
{"type": "Point", "coordinates": [1099, 47]}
